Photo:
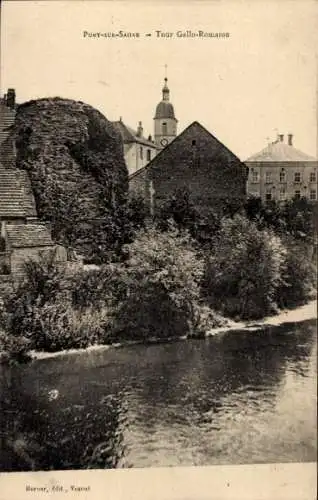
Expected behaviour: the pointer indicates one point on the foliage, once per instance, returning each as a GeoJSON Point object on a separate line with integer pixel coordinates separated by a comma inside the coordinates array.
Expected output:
{"type": "Point", "coordinates": [15, 348]}
{"type": "Point", "coordinates": [179, 208]}
{"type": "Point", "coordinates": [137, 212]}
{"type": "Point", "coordinates": [42, 283]}
{"type": "Point", "coordinates": [154, 293]}
{"type": "Point", "coordinates": [163, 274]}
{"type": "Point", "coordinates": [299, 217]}
{"type": "Point", "coordinates": [99, 287]}
{"type": "Point", "coordinates": [244, 270]}
{"type": "Point", "coordinates": [299, 276]}
{"type": "Point", "coordinates": [74, 158]}
{"type": "Point", "coordinates": [58, 326]}
{"type": "Point", "coordinates": [293, 217]}
{"type": "Point", "coordinates": [162, 285]}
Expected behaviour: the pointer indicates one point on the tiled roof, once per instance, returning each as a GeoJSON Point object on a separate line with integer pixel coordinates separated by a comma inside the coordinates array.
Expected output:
{"type": "Point", "coordinates": [28, 235]}
{"type": "Point", "coordinates": [16, 198]}
{"type": "Point", "coordinates": [130, 135]}
{"type": "Point", "coordinates": [280, 152]}
{"type": "Point", "coordinates": [7, 116]}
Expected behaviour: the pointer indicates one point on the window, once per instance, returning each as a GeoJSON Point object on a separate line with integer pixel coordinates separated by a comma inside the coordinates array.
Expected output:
{"type": "Point", "coordinates": [141, 152]}
{"type": "Point", "coordinates": [268, 177]}
{"type": "Point", "coordinates": [255, 177]}
{"type": "Point", "coordinates": [268, 195]}
{"type": "Point", "coordinates": [313, 194]}
{"type": "Point", "coordinates": [297, 195]}
{"type": "Point", "coordinates": [164, 129]}
{"type": "Point", "coordinates": [312, 177]}
{"type": "Point", "coordinates": [194, 142]}
{"type": "Point", "coordinates": [297, 177]}
{"type": "Point", "coordinates": [282, 176]}
{"type": "Point", "coordinates": [2, 244]}
{"type": "Point", "coordinates": [282, 194]}
{"type": "Point", "coordinates": [148, 154]}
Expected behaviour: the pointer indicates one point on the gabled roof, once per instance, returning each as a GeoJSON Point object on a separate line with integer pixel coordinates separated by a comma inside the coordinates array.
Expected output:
{"type": "Point", "coordinates": [28, 235]}
{"type": "Point", "coordinates": [176, 139]}
{"type": "Point", "coordinates": [16, 198]}
{"type": "Point", "coordinates": [280, 152]}
{"type": "Point", "coordinates": [129, 135]}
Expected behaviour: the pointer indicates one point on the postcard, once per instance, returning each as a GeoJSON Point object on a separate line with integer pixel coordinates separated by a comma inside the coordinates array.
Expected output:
{"type": "Point", "coordinates": [158, 249]}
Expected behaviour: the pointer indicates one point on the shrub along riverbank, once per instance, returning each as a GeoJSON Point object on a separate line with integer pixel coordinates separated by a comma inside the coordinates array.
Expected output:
{"type": "Point", "coordinates": [166, 284]}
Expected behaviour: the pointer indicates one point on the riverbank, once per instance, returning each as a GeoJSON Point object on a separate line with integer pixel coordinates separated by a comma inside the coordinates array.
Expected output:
{"type": "Point", "coordinates": [303, 313]}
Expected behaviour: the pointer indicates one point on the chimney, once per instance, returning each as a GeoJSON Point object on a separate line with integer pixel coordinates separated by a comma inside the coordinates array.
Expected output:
{"type": "Point", "coordinates": [150, 138]}
{"type": "Point", "coordinates": [281, 137]}
{"type": "Point", "coordinates": [10, 99]}
{"type": "Point", "coordinates": [140, 130]}
{"type": "Point", "coordinates": [290, 139]}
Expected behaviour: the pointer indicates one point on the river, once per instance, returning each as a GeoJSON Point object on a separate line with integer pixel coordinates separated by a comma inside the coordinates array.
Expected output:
{"type": "Point", "coordinates": [239, 397]}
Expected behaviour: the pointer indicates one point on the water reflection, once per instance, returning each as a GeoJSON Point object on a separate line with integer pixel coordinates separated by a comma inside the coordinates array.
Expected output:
{"type": "Point", "coordinates": [238, 397]}
{"type": "Point", "coordinates": [75, 429]}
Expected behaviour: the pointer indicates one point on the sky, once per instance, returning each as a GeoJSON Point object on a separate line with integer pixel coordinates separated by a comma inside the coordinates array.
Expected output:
{"type": "Point", "coordinates": [245, 89]}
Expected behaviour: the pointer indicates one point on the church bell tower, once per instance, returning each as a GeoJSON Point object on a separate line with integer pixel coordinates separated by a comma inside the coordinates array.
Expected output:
{"type": "Point", "coordinates": [165, 122]}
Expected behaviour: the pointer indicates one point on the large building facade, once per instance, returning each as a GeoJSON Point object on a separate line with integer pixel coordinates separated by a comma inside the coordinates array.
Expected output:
{"type": "Point", "coordinates": [282, 172]}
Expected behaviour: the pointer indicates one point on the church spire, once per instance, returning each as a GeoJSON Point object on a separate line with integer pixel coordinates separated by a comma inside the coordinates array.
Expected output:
{"type": "Point", "coordinates": [165, 121]}
{"type": "Point", "coordinates": [165, 91]}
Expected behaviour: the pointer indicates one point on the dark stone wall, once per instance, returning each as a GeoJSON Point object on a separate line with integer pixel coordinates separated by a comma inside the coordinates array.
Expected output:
{"type": "Point", "coordinates": [198, 162]}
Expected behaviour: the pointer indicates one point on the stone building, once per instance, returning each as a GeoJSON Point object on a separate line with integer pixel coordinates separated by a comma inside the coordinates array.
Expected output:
{"type": "Point", "coordinates": [281, 172]}
{"type": "Point", "coordinates": [138, 151]}
{"type": "Point", "coordinates": [25, 242]}
{"type": "Point", "coordinates": [200, 163]}
{"type": "Point", "coordinates": [22, 236]}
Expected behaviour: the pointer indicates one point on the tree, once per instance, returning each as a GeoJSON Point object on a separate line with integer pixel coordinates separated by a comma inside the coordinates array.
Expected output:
{"type": "Point", "coordinates": [179, 208]}
{"type": "Point", "coordinates": [163, 275]}
{"type": "Point", "coordinates": [244, 269]}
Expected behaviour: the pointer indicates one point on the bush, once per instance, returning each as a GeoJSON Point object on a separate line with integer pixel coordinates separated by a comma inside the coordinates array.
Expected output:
{"type": "Point", "coordinates": [43, 283]}
{"type": "Point", "coordinates": [162, 277]}
{"type": "Point", "coordinates": [15, 348]}
{"type": "Point", "coordinates": [299, 277]}
{"type": "Point", "coordinates": [245, 270]}
{"type": "Point", "coordinates": [293, 217]}
{"type": "Point", "coordinates": [137, 212]}
{"type": "Point", "coordinates": [103, 286]}
{"type": "Point", "coordinates": [59, 326]}
{"type": "Point", "coordinates": [40, 311]}
{"type": "Point", "coordinates": [180, 209]}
